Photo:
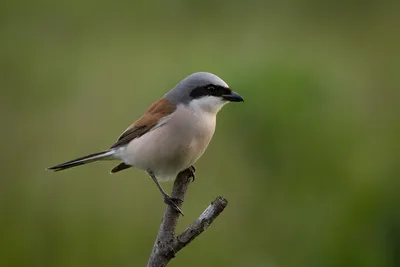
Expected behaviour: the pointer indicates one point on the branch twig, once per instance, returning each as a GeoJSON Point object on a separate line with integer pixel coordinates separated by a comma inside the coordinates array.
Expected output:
{"type": "Point", "coordinates": [167, 244]}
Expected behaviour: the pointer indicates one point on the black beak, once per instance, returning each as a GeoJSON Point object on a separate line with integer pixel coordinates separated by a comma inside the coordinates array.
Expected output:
{"type": "Point", "coordinates": [233, 97]}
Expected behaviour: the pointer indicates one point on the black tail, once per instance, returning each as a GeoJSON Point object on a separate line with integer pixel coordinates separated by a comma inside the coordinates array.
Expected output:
{"type": "Point", "coordinates": [122, 166]}
{"type": "Point", "coordinates": [82, 160]}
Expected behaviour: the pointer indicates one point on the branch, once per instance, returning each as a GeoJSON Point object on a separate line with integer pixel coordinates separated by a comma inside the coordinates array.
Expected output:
{"type": "Point", "coordinates": [201, 224]}
{"type": "Point", "coordinates": [167, 244]}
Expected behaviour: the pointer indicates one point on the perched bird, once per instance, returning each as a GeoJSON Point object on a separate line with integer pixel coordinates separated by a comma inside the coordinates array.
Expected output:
{"type": "Point", "coordinates": [172, 134]}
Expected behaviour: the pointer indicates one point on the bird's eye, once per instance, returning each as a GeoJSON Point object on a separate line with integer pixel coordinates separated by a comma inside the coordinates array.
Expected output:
{"type": "Point", "coordinates": [211, 88]}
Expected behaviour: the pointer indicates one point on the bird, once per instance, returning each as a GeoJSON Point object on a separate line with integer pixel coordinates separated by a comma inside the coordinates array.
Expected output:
{"type": "Point", "coordinates": [171, 135]}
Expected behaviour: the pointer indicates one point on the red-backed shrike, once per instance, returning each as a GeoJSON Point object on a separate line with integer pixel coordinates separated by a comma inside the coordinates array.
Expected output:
{"type": "Point", "coordinates": [172, 134]}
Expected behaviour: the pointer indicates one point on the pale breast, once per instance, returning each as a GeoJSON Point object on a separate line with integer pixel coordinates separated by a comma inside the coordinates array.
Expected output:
{"type": "Point", "coordinates": [174, 146]}
{"type": "Point", "coordinates": [203, 132]}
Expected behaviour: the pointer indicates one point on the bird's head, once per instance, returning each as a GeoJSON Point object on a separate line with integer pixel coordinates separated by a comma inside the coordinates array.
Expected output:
{"type": "Point", "coordinates": [203, 91]}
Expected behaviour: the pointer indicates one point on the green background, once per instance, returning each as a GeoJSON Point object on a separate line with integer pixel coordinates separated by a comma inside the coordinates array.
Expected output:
{"type": "Point", "coordinates": [310, 162]}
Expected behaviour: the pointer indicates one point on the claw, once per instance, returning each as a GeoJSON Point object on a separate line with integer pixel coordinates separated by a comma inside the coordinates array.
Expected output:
{"type": "Point", "coordinates": [192, 171]}
{"type": "Point", "coordinates": [173, 203]}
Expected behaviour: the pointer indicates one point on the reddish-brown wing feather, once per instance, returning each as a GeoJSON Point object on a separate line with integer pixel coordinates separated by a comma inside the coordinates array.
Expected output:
{"type": "Point", "coordinates": [150, 118]}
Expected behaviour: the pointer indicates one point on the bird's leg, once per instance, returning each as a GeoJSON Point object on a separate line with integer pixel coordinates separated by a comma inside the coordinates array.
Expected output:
{"type": "Point", "coordinates": [170, 201]}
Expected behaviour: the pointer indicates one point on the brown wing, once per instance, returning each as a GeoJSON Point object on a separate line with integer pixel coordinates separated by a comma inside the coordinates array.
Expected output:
{"type": "Point", "coordinates": [150, 118]}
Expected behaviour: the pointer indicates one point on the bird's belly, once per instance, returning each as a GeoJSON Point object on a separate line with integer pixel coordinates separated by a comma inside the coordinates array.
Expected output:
{"type": "Point", "coordinates": [168, 150]}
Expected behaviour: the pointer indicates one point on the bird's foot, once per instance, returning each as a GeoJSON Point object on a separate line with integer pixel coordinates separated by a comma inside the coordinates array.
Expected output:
{"type": "Point", "coordinates": [173, 203]}
{"type": "Point", "coordinates": [192, 171]}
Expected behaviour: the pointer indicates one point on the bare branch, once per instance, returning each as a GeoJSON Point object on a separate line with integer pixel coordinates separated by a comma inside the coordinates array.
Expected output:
{"type": "Point", "coordinates": [201, 224]}
{"type": "Point", "coordinates": [167, 244]}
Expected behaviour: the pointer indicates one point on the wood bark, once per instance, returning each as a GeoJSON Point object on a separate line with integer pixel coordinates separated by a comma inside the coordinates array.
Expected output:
{"type": "Point", "coordinates": [167, 243]}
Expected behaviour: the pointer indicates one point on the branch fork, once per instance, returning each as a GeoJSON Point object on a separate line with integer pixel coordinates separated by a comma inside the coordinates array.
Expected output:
{"type": "Point", "coordinates": [167, 244]}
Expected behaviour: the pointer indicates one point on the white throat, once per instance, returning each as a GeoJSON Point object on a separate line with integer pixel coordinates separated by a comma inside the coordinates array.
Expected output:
{"type": "Point", "coordinates": [209, 104]}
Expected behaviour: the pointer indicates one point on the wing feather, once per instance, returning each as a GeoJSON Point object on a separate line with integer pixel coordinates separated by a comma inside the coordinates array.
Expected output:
{"type": "Point", "coordinates": [150, 119]}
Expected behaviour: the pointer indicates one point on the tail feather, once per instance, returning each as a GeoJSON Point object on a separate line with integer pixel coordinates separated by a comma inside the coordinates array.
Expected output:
{"type": "Point", "coordinates": [82, 160]}
{"type": "Point", "coordinates": [122, 166]}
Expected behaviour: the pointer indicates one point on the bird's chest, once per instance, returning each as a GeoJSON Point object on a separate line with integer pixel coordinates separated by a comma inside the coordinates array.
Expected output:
{"type": "Point", "coordinates": [180, 142]}
{"type": "Point", "coordinates": [202, 134]}
{"type": "Point", "coordinates": [194, 131]}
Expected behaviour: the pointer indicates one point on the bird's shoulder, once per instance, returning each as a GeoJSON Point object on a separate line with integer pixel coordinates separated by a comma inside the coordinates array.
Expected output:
{"type": "Point", "coordinates": [158, 110]}
{"type": "Point", "coordinates": [150, 119]}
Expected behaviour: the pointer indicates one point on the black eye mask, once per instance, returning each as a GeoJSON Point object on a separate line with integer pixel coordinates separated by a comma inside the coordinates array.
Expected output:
{"type": "Point", "coordinates": [209, 90]}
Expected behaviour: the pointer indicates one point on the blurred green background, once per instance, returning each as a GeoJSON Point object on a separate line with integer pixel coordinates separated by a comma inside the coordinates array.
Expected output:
{"type": "Point", "coordinates": [310, 162]}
